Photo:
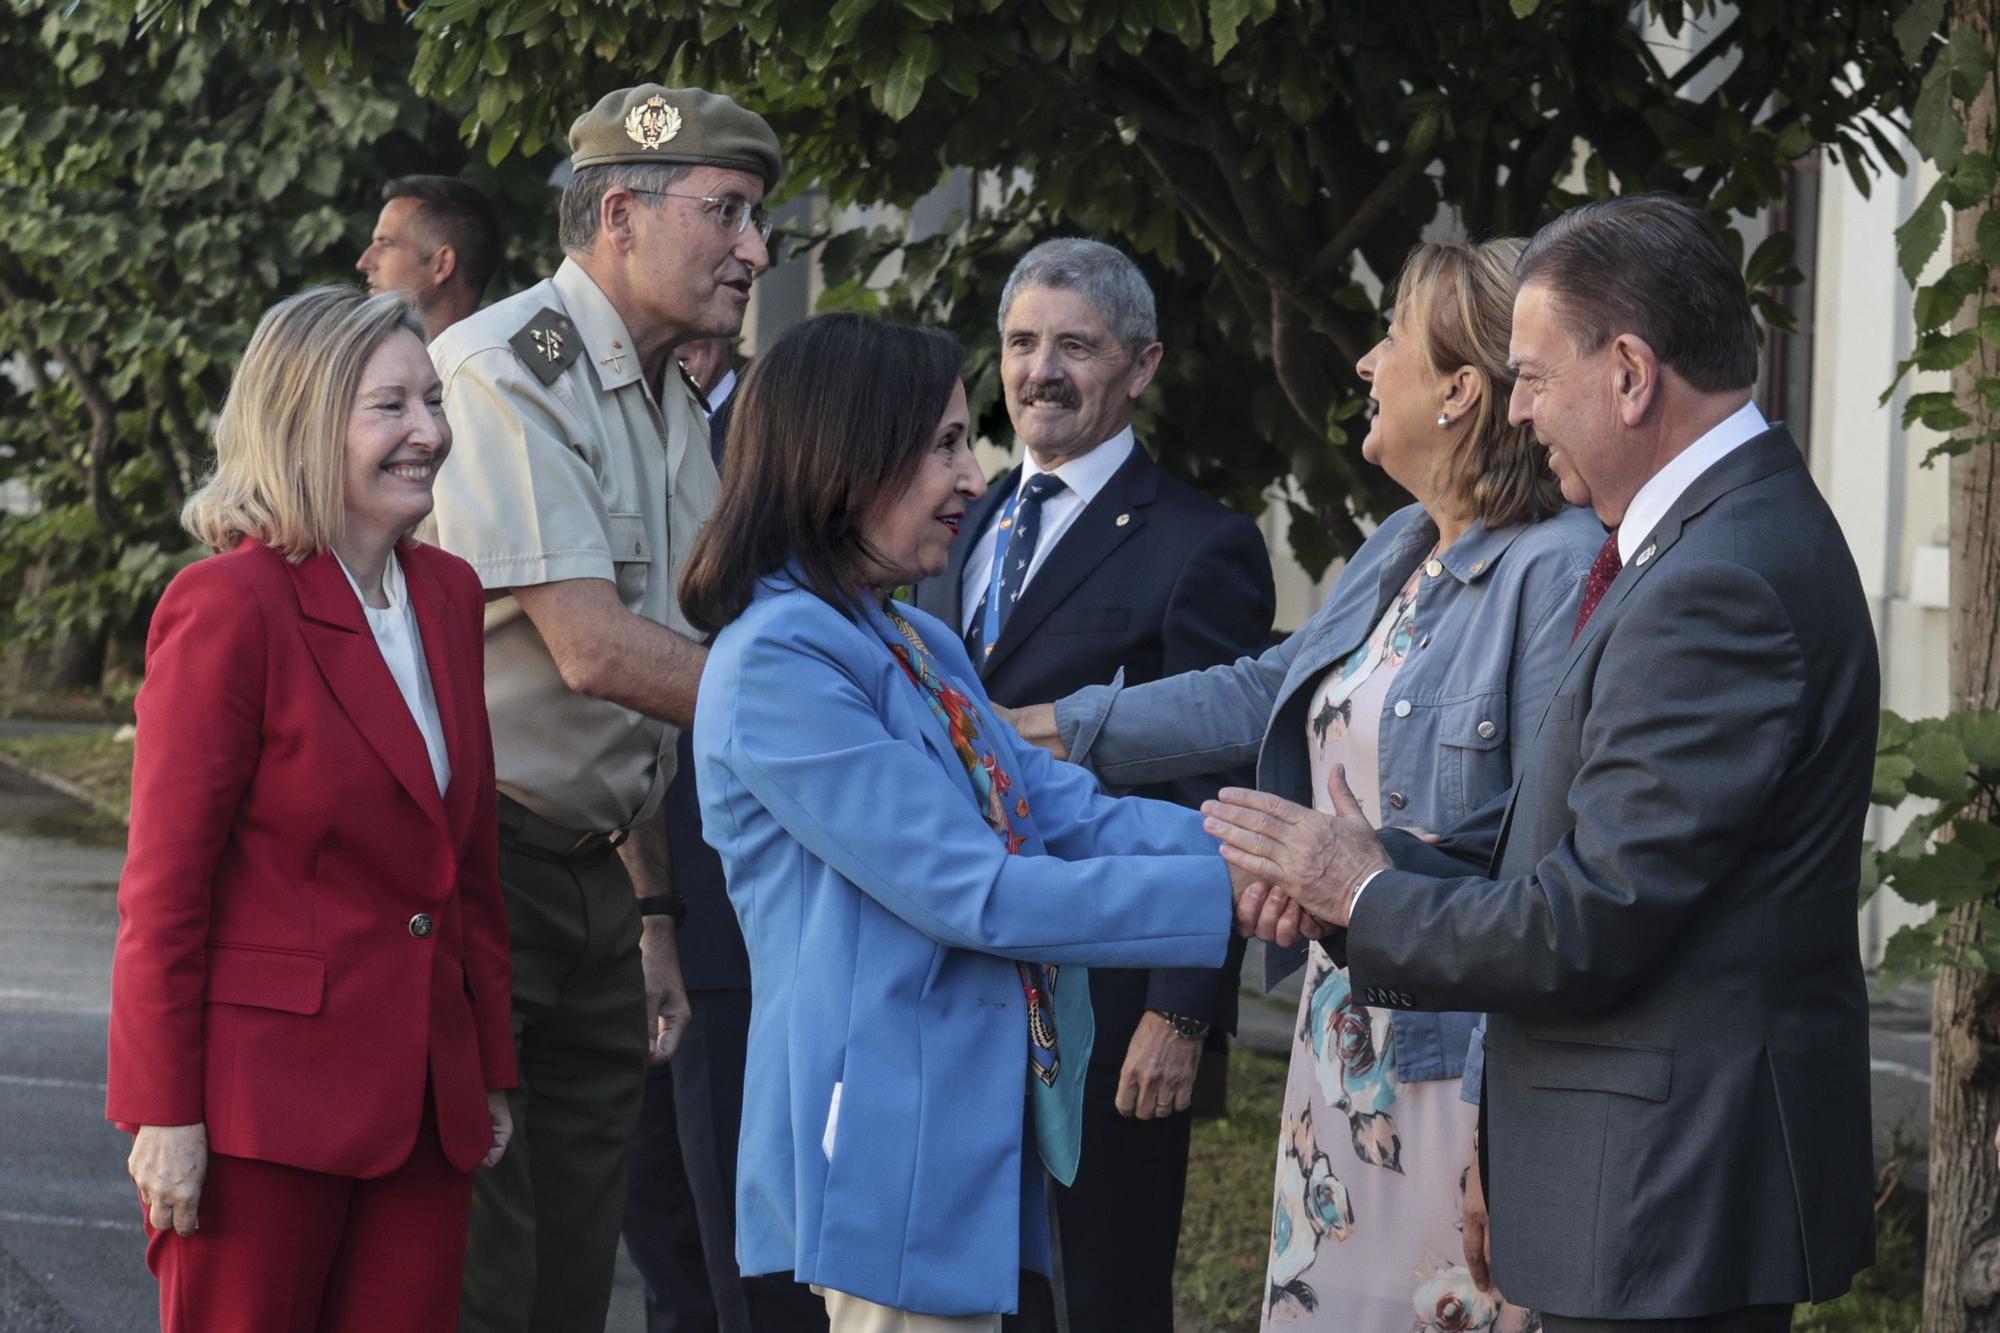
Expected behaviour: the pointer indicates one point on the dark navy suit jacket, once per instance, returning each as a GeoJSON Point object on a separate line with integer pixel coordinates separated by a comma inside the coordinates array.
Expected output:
{"type": "Point", "coordinates": [1157, 578]}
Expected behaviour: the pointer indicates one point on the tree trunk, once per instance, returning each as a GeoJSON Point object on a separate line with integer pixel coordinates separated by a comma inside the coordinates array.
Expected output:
{"type": "Point", "coordinates": [1962, 1272]}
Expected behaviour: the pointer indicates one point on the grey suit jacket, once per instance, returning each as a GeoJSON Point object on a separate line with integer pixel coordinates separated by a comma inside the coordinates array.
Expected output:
{"type": "Point", "coordinates": [1677, 1054]}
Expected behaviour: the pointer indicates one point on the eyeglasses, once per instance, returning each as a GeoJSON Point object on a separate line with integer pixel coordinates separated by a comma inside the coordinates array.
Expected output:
{"type": "Point", "coordinates": [734, 212]}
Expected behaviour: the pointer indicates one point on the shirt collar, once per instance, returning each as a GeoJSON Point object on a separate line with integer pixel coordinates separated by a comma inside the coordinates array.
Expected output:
{"type": "Point", "coordinates": [1667, 485]}
{"type": "Point", "coordinates": [607, 344]}
{"type": "Point", "coordinates": [1469, 558]}
{"type": "Point", "coordinates": [392, 583]}
{"type": "Point", "coordinates": [1086, 473]}
{"type": "Point", "coordinates": [720, 393]}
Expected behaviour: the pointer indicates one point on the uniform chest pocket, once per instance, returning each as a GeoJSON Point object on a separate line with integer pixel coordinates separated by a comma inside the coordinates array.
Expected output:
{"type": "Point", "coordinates": [631, 555]}
{"type": "Point", "coordinates": [1472, 752]}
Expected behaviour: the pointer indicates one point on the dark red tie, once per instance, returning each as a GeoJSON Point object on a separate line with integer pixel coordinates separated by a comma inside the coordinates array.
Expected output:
{"type": "Point", "coordinates": [1602, 570]}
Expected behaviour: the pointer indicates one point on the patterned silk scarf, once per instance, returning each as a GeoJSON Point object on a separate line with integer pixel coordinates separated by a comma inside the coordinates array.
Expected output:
{"type": "Point", "coordinates": [1061, 1024]}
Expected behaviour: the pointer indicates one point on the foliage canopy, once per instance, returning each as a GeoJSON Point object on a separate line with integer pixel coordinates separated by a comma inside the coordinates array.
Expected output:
{"type": "Point", "coordinates": [1273, 160]}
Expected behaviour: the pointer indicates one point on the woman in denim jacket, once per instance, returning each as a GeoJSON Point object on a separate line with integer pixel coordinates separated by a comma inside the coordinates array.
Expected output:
{"type": "Point", "coordinates": [1422, 674]}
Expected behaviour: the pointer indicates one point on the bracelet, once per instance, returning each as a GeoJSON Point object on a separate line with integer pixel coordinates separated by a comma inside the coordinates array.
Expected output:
{"type": "Point", "coordinates": [668, 904]}
{"type": "Point", "coordinates": [1188, 1029]}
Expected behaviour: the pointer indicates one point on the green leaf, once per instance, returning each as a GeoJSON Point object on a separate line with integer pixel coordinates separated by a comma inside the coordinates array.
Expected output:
{"type": "Point", "coordinates": [1227, 17]}
{"type": "Point", "coordinates": [1970, 60]}
{"type": "Point", "coordinates": [1946, 876]}
{"type": "Point", "coordinates": [1920, 234]}
{"type": "Point", "coordinates": [1892, 775]}
{"type": "Point", "coordinates": [1770, 259]}
{"type": "Point", "coordinates": [1893, 731]}
{"type": "Point", "coordinates": [1989, 327]}
{"type": "Point", "coordinates": [1979, 732]}
{"type": "Point", "coordinates": [904, 87]}
{"type": "Point", "coordinates": [1971, 182]}
{"type": "Point", "coordinates": [1524, 8]}
{"type": "Point", "coordinates": [1935, 128]}
{"type": "Point", "coordinates": [1941, 766]}
{"type": "Point", "coordinates": [1939, 303]}
{"type": "Point", "coordinates": [1938, 351]}
{"type": "Point", "coordinates": [1980, 838]}
{"type": "Point", "coordinates": [1916, 26]}
{"type": "Point", "coordinates": [1937, 411]}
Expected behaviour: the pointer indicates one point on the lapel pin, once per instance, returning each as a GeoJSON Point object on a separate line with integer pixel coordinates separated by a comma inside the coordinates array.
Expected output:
{"type": "Point", "coordinates": [1647, 554]}
{"type": "Point", "coordinates": [1123, 519]}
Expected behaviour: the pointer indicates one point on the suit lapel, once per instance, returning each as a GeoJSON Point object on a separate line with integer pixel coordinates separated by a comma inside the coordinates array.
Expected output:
{"type": "Point", "coordinates": [1106, 523]}
{"type": "Point", "coordinates": [441, 658]}
{"type": "Point", "coordinates": [341, 643]}
{"type": "Point", "coordinates": [1752, 461]}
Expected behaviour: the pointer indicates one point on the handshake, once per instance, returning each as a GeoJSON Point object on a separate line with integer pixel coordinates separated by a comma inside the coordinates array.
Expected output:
{"type": "Point", "coordinates": [1294, 871]}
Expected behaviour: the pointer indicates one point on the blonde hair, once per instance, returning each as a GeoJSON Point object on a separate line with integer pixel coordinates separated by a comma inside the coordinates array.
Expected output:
{"type": "Point", "coordinates": [1459, 298]}
{"type": "Point", "coordinates": [281, 437]}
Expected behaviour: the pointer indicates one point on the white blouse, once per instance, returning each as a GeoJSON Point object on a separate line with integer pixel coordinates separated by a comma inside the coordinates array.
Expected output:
{"type": "Point", "coordinates": [402, 647]}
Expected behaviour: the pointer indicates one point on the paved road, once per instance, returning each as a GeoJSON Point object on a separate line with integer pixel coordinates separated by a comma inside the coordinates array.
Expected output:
{"type": "Point", "coordinates": [71, 1251]}
{"type": "Point", "coordinates": [72, 1255]}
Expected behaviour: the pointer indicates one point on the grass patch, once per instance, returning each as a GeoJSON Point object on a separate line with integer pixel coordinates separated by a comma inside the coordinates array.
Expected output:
{"type": "Point", "coordinates": [1226, 1225]}
{"type": "Point", "coordinates": [93, 760]}
{"type": "Point", "coordinates": [1226, 1222]}
{"type": "Point", "coordinates": [113, 705]}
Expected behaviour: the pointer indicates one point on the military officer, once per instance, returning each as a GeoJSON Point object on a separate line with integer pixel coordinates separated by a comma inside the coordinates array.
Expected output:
{"type": "Point", "coordinates": [582, 478]}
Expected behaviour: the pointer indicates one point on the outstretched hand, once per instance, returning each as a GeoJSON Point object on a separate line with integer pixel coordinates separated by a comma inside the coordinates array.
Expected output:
{"type": "Point", "coordinates": [1315, 860]}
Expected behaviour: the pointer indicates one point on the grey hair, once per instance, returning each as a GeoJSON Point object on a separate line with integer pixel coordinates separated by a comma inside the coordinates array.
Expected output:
{"type": "Point", "coordinates": [583, 197]}
{"type": "Point", "coordinates": [1106, 277]}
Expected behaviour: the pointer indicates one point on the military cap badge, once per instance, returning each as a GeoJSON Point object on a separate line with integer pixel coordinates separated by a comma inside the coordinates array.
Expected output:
{"type": "Point", "coordinates": [652, 122]}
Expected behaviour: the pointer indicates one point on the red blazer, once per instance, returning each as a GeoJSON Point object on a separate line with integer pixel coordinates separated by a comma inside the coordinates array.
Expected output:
{"type": "Point", "coordinates": [286, 831]}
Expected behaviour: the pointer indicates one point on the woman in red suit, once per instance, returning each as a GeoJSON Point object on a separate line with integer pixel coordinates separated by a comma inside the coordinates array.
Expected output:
{"type": "Point", "coordinates": [309, 999]}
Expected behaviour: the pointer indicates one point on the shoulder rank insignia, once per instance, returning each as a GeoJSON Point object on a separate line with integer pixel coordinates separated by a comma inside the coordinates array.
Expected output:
{"type": "Point", "coordinates": [548, 343]}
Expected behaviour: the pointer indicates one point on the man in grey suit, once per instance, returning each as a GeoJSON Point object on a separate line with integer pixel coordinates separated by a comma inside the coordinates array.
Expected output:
{"type": "Point", "coordinates": [1663, 924]}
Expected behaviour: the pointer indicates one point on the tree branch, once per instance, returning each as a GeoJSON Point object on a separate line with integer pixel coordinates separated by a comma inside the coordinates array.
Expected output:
{"type": "Point", "coordinates": [1363, 219]}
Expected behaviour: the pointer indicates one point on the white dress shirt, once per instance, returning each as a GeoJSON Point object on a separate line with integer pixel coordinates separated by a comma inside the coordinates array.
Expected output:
{"type": "Point", "coordinates": [402, 647]}
{"type": "Point", "coordinates": [720, 393]}
{"type": "Point", "coordinates": [1083, 477]}
{"type": "Point", "coordinates": [1667, 485]}
{"type": "Point", "coordinates": [1657, 496]}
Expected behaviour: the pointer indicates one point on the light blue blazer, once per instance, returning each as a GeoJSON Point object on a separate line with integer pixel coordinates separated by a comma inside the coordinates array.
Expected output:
{"type": "Point", "coordinates": [885, 1094]}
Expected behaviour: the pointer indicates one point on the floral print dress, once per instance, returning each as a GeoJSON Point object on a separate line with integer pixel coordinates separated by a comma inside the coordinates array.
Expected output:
{"type": "Point", "coordinates": [1365, 1221]}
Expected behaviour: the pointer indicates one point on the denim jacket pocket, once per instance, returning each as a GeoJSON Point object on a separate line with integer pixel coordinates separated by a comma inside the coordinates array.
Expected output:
{"type": "Point", "coordinates": [1472, 753]}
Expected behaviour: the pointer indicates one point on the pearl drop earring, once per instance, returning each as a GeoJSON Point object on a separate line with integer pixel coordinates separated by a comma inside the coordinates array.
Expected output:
{"type": "Point", "coordinates": [1444, 418]}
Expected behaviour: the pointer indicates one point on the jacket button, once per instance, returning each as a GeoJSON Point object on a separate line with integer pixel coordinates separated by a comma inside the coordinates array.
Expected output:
{"type": "Point", "coordinates": [1433, 567]}
{"type": "Point", "coordinates": [1397, 800]}
{"type": "Point", "coordinates": [421, 925]}
{"type": "Point", "coordinates": [1487, 731]}
{"type": "Point", "coordinates": [1402, 708]}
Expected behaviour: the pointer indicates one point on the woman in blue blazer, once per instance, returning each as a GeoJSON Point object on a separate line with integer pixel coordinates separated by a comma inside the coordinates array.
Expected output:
{"type": "Point", "coordinates": [918, 887]}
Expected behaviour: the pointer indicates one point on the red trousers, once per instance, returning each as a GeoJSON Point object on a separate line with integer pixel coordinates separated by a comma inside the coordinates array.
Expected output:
{"type": "Point", "coordinates": [281, 1250]}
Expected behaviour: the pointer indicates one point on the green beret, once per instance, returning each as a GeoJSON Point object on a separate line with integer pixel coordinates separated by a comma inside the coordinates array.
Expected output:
{"type": "Point", "coordinates": [680, 125]}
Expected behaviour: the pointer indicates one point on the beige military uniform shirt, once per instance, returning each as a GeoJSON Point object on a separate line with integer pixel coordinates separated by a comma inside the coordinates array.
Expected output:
{"type": "Point", "coordinates": [565, 465]}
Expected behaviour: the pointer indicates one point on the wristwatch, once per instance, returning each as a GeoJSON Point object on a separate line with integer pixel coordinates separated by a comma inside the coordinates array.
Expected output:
{"type": "Point", "coordinates": [669, 903]}
{"type": "Point", "coordinates": [1193, 1029]}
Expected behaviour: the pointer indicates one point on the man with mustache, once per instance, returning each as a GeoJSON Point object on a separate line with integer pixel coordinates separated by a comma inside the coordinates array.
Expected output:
{"type": "Point", "coordinates": [1086, 560]}
{"type": "Point", "coordinates": [584, 477]}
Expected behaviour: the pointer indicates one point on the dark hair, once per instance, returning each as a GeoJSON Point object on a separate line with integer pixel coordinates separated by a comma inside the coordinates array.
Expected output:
{"type": "Point", "coordinates": [456, 214]}
{"type": "Point", "coordinates": [1651, 265]}
{"type": "Point", "coordinates": [831, 420]}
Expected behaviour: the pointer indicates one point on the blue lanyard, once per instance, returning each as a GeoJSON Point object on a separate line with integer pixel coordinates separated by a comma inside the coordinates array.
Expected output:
{"type": "Point", "coordinates": [989, 628]}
